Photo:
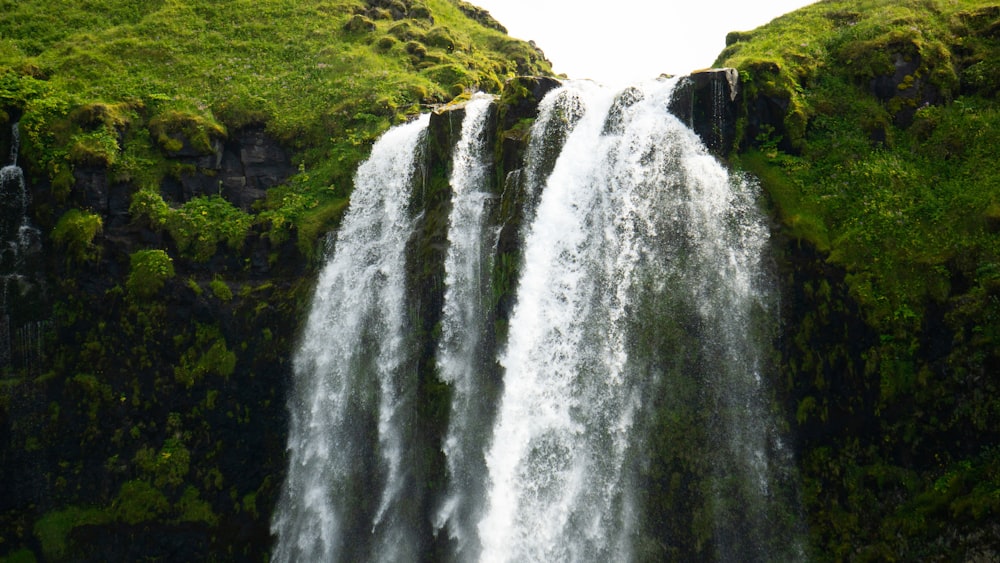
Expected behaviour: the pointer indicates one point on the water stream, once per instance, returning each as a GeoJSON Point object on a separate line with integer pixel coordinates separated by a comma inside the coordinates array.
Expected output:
{"type": "Point", "coordinates": [634, 358]}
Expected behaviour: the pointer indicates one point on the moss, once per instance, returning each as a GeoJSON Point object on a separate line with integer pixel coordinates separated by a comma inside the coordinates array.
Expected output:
{"type": "Point", "coordinates": [359, 24]}
{"type": "Point", "coordinates": [138, 502]}
{"type": "Point", "coordinates": [167, 467]}
{"type": "Point", "coordinates": [194, 286]}
{"type": "Point", "coordinates": [97, 148]}
{"type": "Point", "coordinates": [221, 290]}
{"type": "Point", "coordinates": [208, 356]}
{"type": "Point", "coordinates": [192, 508]}
{"type": "Point", "coordinates": [52, 529]}
{"type": "Point", "coordinates": [99, 114]}
{"type": "Point", "coordinates": [62, 182]}
{"type": "Point", "coordinates": [803, 219]}
{"type": "Point", "coordinates": [75, 232]}
{"type": "Point", "coordinates": [149, 271]}
{"type": "Point", "coordinates": [443, 38]}
{"type": "Point", "coordinates": [177, 129]}
{"type": "Point", "coordinates": [249, 504]}
{"type": "Point", "coordinates": [23, 555]}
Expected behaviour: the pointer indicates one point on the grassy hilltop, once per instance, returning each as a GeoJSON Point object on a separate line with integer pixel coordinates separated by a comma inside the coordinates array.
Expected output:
{"type": "Point", "coordinates": [121, 82]}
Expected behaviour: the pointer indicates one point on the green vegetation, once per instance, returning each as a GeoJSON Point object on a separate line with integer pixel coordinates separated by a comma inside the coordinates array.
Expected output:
{"type": "Point", "coordinates": [208, 355]}
{"type": "Point", "coordinates": [53, 528]}
{"type": "Point", "coordinates": [221, 290]}
{"type": "Point", "coordinates": [150, 269]}
{"type": "Point", "coordinates": [201, 224]}
{"type": "Point", "coordinates": [118, 85]}
{"type": "Point", "coordinates": [876, 147]}
{"type": "Point", "coordinates": [75, 231]}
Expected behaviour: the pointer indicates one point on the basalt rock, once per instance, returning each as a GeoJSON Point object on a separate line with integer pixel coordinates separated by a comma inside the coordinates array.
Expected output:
{"type": "Point", "coordinates": [241, 170]}
{"type": "Point", "coordinates": [905, 89]}
{"type": "Point", "coordinates": [707, 101]}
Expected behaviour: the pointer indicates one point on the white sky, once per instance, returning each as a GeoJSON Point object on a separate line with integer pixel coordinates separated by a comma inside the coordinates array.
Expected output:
{"type": "Point", "coordinates": [637, 39]}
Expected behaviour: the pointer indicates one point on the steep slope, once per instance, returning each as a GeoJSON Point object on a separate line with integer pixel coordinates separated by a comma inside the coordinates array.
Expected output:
{"type": "Point", "coordinates": [874, 127]}
{"type": "Point", "coordinates": [324, 77]}
{"type": "Point", "coordinates": [182, 162]}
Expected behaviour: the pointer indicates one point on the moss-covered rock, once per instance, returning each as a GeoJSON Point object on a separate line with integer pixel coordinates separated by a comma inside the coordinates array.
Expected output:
{"type": "Point", "coordinates": [868, 125]}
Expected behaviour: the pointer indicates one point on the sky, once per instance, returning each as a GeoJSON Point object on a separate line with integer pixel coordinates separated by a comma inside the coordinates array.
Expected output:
{"type": "Point", "coordinates": [637, 39]}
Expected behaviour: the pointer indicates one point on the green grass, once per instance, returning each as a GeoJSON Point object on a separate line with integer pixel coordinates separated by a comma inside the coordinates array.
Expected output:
{"type": "Point", "coordinates": [325, 77]}
{"type": "Point", "coordinates": [897, 206]}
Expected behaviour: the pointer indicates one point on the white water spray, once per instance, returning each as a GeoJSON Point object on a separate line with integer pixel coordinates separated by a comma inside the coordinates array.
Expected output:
{"type": "Point", "coordinates": [641, 309]}
{"type": "Point", "coordinates": [633, 204]}
{"type": "Point", "coordinates": [347, 376]}
{"type": "Point", "coordinates": [461, 358]}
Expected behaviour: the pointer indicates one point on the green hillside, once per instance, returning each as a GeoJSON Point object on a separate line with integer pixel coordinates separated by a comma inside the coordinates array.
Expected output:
{"type": "Point", "coordinates": [874, 126]}
{"type": "Point", "coordinates": [118, 82]}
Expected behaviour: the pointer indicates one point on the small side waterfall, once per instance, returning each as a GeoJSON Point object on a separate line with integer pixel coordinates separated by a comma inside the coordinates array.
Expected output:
{"type": "Point", "coordinates": [15, 143]}
{"type": "Point", "coordinates": [461, 354]}
{"type": "Point", "coordinates": [16, 232]}
{"type": "Point", "coordinates": [633, 418]}
{"type": "Point", "coordinates": [346, 451]}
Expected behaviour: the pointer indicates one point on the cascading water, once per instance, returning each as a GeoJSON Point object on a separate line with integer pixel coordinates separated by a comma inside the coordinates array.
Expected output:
{"type": "Point", "coordinates": [461, 355]}
{"type": "Point", "coordinates": [19, 240]}
{"type": "Point", "coordinates": [633, 207]}
{"type": "Point", "coordinates": [339, 502]}
{"type": "Point", "coordinates": [633, 421]}
{"type": "Point", "coordinates": [15, 230]}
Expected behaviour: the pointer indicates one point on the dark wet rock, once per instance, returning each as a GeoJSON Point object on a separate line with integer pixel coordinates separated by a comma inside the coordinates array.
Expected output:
{"type": "Point", "coordinates": [707, 101]}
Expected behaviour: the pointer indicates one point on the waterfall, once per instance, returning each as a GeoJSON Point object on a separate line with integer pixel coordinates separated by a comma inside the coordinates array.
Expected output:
{"type": "Point", "coordinates": [14, 225]}
{"type": "Point", "coordinates": [346, 451]}
{"type": "Point", "coordinates": [19, 240]}
{"type": "Point", "coordinates": [461, 355]}
{"type": "Point", "coordinates": [620, 413]}
{"type": "Point", "coordinates": [639, 231]}
{"type": "Point", "coordinates": [15, 142]}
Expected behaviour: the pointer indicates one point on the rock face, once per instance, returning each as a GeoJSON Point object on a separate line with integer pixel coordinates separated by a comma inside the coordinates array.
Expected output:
{"type": "Point", "coordinates": [193, 372]}
{"type": "Point", "coordinates": [240, 170]}
{"type": "Point", "coordinates": [707, 101]}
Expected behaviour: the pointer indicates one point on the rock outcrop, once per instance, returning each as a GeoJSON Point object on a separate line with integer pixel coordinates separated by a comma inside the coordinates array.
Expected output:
{"type": "Point", "coordinates": [708, 102]}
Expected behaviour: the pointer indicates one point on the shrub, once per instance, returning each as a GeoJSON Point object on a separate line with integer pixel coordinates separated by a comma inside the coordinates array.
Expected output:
{"type": "Point", "coordinates": [201, 224]}
{"type": "Point", "coordinates": [150, 269]}
{"type": "Point", "coordinates": [75, 231]}
{"type": "Point", "coordinates": [221, 290]}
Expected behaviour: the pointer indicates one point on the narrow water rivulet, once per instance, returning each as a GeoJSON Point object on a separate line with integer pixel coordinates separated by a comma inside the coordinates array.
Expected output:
{"type": "Point", "coordinates": [619, 411]}
{"type": "Point", "coordinates": [20, 241]}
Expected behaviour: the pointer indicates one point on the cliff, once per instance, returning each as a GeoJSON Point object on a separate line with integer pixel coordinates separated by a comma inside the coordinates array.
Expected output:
{"type": "Point", "coordinates": [182, 165]}
{"type": "Point", "coordinates": [871, 126]}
